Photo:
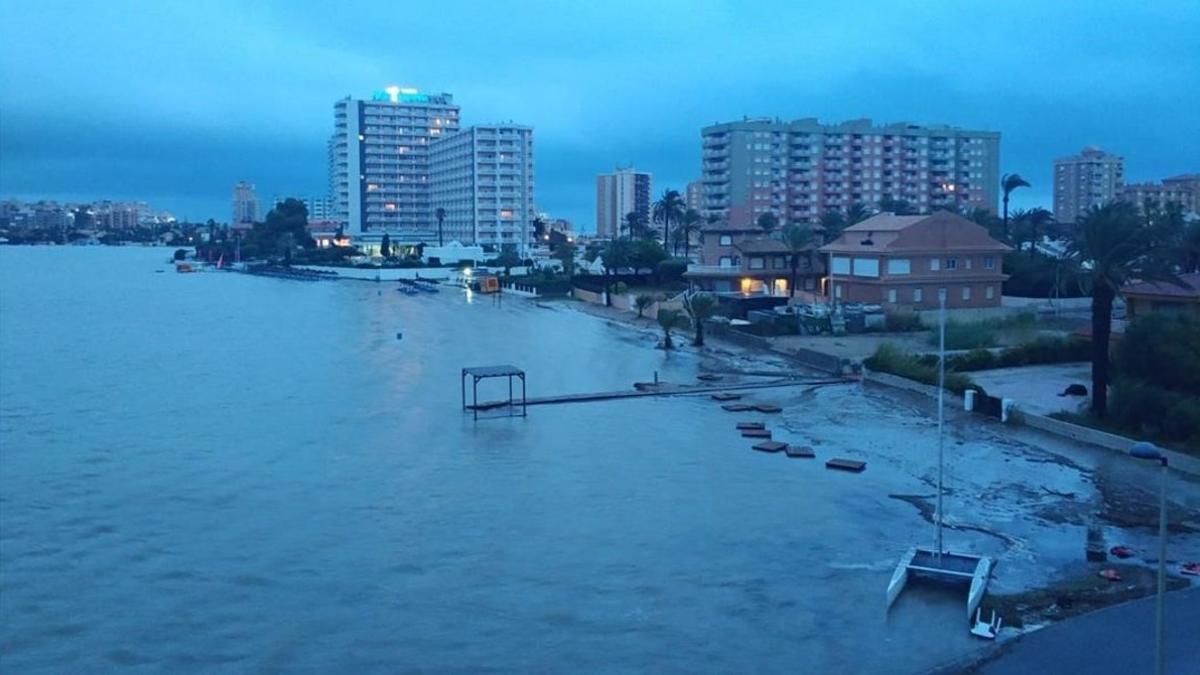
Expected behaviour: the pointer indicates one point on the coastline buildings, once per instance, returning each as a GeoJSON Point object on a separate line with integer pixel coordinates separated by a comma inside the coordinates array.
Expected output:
{"type": "Point", "coordinates": [1183, 189]}
{"type": "Point", "coordinates": [904, 261]}
{"type": "Point", "coordinates": [693, 196]}
{"type": "Point", "coordinates": [482, 177]}
{"type": "Point", "coordinates": [801, 169]}
{"type": "Point", "coordinates": [245, 205]}
{"type": "Point", "coordinates": [743, 259]}
{"type": "Point", "coordinates": [619, 193]}
{"type": "Point", "coordinates": [1082, 181]}
{"type": "Point", "coordinates": [379, 162]}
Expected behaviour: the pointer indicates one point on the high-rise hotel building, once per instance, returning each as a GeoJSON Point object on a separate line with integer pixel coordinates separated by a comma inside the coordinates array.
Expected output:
{"type": "Point", "coordinates": [801, 169]}
{"type": "Point", "coordinates": [379, 162]}
{"type": "Point", "coordinates": [618, 194]}
{"type": "Point", "coordinates": [1082, 181]}
{"type": "Point", "coordinates": [482, 177]}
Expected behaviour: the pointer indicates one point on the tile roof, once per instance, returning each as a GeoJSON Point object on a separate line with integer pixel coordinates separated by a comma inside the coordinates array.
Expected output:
{"type": "Point", "coordinates": [939, 232]}
{"type": "Point", "coordinates": [1190, 289]}
{"type": "Point", "coordinates": [762, 246]}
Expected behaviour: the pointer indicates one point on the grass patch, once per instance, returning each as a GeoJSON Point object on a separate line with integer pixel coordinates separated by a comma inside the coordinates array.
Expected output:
{"type": "Point", "coordinates": [986, 333]}
{"type": "Point", "coordinates": [888, 358]}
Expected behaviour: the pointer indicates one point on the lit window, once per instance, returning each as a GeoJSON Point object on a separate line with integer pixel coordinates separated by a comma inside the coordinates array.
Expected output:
{"type": "Point", "coordinates": [506, 213]}
{"type": "Point", "coordinates": [390, 206]}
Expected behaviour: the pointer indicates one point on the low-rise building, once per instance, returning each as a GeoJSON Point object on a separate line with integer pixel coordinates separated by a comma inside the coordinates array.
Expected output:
{"type": "Point", "coordinates": [742, 259]}
{"type": "Point", "coordinates": [904, 262]}
{"type": "Point", "coordinates": [1144, 297]}
{"type": "Point", "coordinates": [1183, 190]}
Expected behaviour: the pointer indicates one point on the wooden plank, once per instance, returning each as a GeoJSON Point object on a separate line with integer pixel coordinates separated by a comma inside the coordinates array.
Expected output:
{"type": "Point", "coordinates": [800, 451]}
{"type": "Point", "coordinates": [770, 446]}
{"type": "Point", "coordinates": [768, 408]}
{"type": "Point", "coordinates": [756, 433]}
{"type": "Point", "coordinates": [726, 397]}
{"type": "Point", "coordinates": [846, 465]}
{"type": "Point", "coordinates": [750, 425]}
{"type": "Point", "coordinates": [737, 407]}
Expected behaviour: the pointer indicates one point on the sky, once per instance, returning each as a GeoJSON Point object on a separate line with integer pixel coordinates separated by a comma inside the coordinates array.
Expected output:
{"type": "Point", "coordinates": [173, 102]}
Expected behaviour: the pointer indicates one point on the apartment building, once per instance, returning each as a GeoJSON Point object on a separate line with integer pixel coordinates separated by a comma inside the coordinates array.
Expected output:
{"type": "Point", "coordinates": [482, 177]}
{"type": "Point", "coordinates": [245, 205]}
{"type": "Point", "coordinates": [1082, 181]}
{"type": "Point", "coordinates": [379, 162]}
{"type": "Point", "coordinates": [801, 169]}
{"type": "Point", "coordinates": [1183, 190]}
{"type": "Point", "coordinates": [907, 261]}
{"type": "Point", "coordinates": [693, 196]}
{"type": "Point", "coordinates": [618, 194]}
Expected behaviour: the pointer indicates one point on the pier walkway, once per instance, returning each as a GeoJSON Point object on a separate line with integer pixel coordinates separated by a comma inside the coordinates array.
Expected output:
{"type": "Point", "coordinates": [666, 389]}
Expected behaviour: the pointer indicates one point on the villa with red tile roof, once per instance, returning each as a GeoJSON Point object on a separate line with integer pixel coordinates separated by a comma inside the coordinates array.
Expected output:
{"type": "Point", "coordinates": [1143, 297]}
{"type": "Point", "coordinates": [902, 262]}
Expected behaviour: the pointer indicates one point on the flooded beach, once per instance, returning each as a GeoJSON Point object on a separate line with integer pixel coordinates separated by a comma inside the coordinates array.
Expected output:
{"type": "Point", "coordinates": [218, 472]}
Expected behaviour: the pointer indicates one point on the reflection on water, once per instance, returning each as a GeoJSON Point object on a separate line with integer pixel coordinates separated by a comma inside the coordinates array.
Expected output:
{"type": "Point", "coordinates": [222, 472]}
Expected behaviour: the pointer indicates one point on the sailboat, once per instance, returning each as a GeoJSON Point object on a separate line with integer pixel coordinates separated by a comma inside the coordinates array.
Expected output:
{"type": "Point", "coordinates": [937, 562]}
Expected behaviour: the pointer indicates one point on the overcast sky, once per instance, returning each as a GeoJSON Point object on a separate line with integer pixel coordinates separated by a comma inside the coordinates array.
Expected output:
{"type": "Point", "coordinates": [172, 102]}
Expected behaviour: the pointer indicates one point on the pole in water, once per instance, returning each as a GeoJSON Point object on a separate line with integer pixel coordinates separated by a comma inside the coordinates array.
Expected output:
{"type": "Point", "coordinates": [941, 410]}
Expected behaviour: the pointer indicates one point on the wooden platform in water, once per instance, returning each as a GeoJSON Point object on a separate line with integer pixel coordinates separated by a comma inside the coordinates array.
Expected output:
{"type": "Point", "coordinates": [737, 407]}
{"type": "Point", "coordinates": [768, 408]}
{"type": "Point", "coordinates": [770, 446]}
{"type": "Point", "coordinates": [846, 465]}
{"type": "Point", "coordinates": [750, 425]}
{"type": "Point", "coordinates": [726, 396]}
{"type": "Point", "coordinates": [756, 433]}
{"type": "Point", "coordinates": [665, 389]}
{"type": "Point", "coordinates": [800, 452]}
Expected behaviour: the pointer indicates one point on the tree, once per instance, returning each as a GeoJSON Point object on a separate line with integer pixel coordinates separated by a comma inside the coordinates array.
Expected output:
{"type": "Point", "coordinates": [1112, 248]}
{"type": "Point", "coordinates": [856, 213]}
{"type": "Point", "coordinates": [768, 222]}
{"type": "Point", "coordinates": [565, 254]}
{"type": "Point", "coordinates": [508, 258]}
{"type": "Point", "coordinates": [385, 246]}
{"type": "Point", "coordinates": [691, 223]}
{"type": "Point", "coordinates": [1038, 221]}
{"type": "Point", "coordinates": [799, 239]}
{"type": "Point", "coordinates": [643, 303]}
{"type": "Point", "coordinates": [896, 206]}
{"type": "Point", "coordinates": [539, 229]}
{"type": "Point", "coordinates": [833, 222]}
{"type": "Point", "coordinates": [615, 255]}
{"type": "Point", "coordinates": [633, 224]}
{"type": "Point", "coordinates": [1008, 183]}
{"type": "Point", "coordinates": [669, 320]}
{"type": "Point", "coordinates": [699, 306]}
{"type": "Point", "coordinates": [668, 209]}
{"type": "Point", "coordinates": [440, 214]}
{"type": "Point", "coordinates": [646, 254]}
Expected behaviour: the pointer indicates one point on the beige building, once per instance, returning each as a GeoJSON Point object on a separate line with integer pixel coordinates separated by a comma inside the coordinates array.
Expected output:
{"type": "Point", "coordinates": [742, 259]}
{"type": "Point", "coordinates": [245, 205]}
{"type": "Point", "coordinates": [1184, 190]}
{"type": "Point", "coordinates": [1082, 181]}
{"type": "Point", "coordinates": [618, 194]}
{"type": "Point", "coordinates": [904, 262]}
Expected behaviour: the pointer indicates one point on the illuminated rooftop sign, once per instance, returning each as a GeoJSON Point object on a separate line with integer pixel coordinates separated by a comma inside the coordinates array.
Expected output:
{"type": "Point", "coordinates": [396, 94]}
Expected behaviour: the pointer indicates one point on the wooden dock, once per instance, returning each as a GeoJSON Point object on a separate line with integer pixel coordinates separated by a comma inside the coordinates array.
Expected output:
{"type": "Point", "coordinates": [665, 389]}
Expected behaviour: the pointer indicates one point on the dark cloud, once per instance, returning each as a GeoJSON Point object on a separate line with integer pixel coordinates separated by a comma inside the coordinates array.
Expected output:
{"type": "Point", "coordinates": [173, 102]}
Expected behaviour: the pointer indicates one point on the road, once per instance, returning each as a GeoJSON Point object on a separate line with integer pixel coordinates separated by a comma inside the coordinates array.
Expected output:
{"type": "Point", "coordinates": [1117, 640]}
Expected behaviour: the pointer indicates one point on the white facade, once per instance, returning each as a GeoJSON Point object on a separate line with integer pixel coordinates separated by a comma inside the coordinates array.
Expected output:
{"type": "Point", "coordinates": [618, 194]}
{"type": "Point", "coordinates": [482, 177]}
{"type": "Point", "coordinates": [245, 205]}
{"type": "Point", "coordinates": [1082, 181]}
{"type": "Point", "coordinates": [379, 162]}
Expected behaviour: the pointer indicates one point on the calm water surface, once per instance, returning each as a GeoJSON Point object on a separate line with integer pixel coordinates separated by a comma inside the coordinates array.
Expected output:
{"type": "Point", "coordinates": [222, 472]}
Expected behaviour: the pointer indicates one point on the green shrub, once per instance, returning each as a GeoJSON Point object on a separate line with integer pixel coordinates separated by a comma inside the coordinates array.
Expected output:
{"type": "Point", "coordinates": [671, 270]}
{"type": "Point", "coordinates": [966, 335]}
{"type": "Point", "coordinates": [976, 359]}
{"type": "Point", "coordinates": [890, 359]}
{"type": "Point", "coordinates": [901, 322]}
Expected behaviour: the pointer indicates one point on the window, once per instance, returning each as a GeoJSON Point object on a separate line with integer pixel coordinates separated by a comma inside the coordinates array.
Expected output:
{"type": "Point", "coordinates": [918, 295]}
{"type": "Point", "coordinates": [899, 266]}
{"type": "Point", "coordinates": [779, 262]}
{"type": "Point", "coordinates": [866, 267]}
{"type": "Point", "coordinates": [966, 292]}
{"type": "Point", "coordinates": [726, 261]}
{"type": "Point", "coordinates": [726, 240]}
{"type": "Point", "coordinates": [837, 291]}
{"type": "Point", "coordinates": [989, 262]}
{"type": "Point", "coordinates": [892, 295]}
{"type": "Point", "coordinates": [756, 264]}
{"type": "Point", "coordinates": [951, 263]}
{"type": "Point", "coordinates": [967, 263]}
{"type": "Point", "coordinates": [935, 264]}
{"type": "Point", "coordinates": [840, 265]}
{"type": "Point", "coordinates": [990, 292]}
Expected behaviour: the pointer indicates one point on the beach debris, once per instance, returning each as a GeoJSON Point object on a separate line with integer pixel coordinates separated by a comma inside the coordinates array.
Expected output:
{"type": "Point", "coordinates": [756, 433]}
{"type": "Point", "coordinates": [1121, 551]}
{"type": "Point", "coordinates": [726, 396]}
{"type": "Point", "coordinates": [800, 452]}
{"type": "Point", "coordinates": [770, 446]}
{"type": "Point", "coordinates": [737, 407]}
{"type": "Point", "coordinates": [1095, 551]}
{"type": "Point", "coordinates": [840, 464]}
{"type": "Point", "coordinates": [1074, 390]}
{"type": "Point", "coordinates": [986, 629]}
{"type": "Point", "coordinates": [1190, 568]}
{"type": "Point", "coordinates": [768, 408]}
{"type": "Point", "coordinates": [1110, 574]}
{"type": "Point", "coordinates": [750, 425]}
{"type": "Point", "coordinates": [708, 377]}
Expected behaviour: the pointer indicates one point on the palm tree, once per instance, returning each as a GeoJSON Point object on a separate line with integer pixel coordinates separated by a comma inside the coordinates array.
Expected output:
{"type": "Point", "coordinates": [856, 213]}
{"type": "Point", "coordinates": [699, 306]}
{"type": "Point", "coordinates": [833, 222]}
{"type": "Point", "coordinates": [1112, 248]}
{"type": "Point", "coordinates": [1008, 183]}
{"type": "Point", "coordinates": [691, 223]}
{"type": "Point", "coordinates": [1039, 221]}
{"type": "Point", "coordinates": [643, 303]}
{"type": "Point", "coordinates": [440, 214]}
{"type": "Point", "coordinates": [799, 239]}
{"type": "Point", "coordinates": [539, 228]}
{"type": "Point", "coordinates": [671, 319]}
{"type": "Point", "coordinates": [768, 222]}
{"type": "Point", "coordinates": [668, 209]}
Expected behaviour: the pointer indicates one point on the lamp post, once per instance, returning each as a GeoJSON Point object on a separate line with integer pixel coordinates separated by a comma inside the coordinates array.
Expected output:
{"type": "Point", "coordinates": [1145, 450]}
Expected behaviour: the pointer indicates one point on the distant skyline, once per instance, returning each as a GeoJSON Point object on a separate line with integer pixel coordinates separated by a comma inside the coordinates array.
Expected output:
{"type": "Point", "coordinates": [173, 103]}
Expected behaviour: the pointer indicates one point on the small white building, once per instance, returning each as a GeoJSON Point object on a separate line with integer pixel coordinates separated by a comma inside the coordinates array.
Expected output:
{"type": "Point", "coordinates": [454, 252]}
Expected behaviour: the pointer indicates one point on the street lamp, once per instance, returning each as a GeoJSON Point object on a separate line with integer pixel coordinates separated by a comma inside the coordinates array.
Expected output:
{"type": "Point", "coordinates": [1145, 450]}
